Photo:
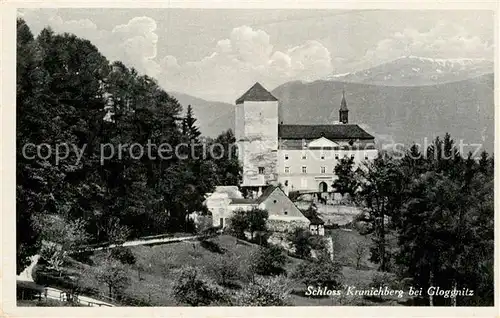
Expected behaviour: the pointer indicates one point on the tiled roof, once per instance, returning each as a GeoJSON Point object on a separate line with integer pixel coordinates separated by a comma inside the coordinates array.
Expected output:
{"type": "Point", "coordinates": [243, 201]}
{"type": "Point", "coordinates": [332, 132]}
{"type": "Point", "coordinates": [257, 93]}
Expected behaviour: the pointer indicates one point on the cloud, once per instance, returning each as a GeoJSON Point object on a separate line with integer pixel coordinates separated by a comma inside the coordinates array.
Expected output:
{"type": "Point", "coordinates": [444, 40]}
{"type": "Point", "coordinates": [133, 43]}
{"type": "Point", "coordinates": [237, 62]}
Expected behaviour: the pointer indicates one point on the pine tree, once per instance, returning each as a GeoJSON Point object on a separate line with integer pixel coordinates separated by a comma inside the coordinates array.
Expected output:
{"type": "Point", "coordinates": [189, 129]}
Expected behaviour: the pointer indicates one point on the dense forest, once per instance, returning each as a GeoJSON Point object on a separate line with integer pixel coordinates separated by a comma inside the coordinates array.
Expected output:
{"type": "Point", "coordinates": [430, 213]}
{"type": "Point", "coordinates": [65, 89]}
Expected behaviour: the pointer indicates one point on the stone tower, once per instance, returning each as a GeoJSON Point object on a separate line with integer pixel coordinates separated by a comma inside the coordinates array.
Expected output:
{"type": "Point", "coordinates": [343, 111]}
{"type": "Point", "coordinates": [256, 132]}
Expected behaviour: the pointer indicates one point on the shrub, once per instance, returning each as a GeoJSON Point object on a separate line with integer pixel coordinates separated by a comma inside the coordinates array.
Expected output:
{"type": "Point", "coordinates": [321, 273]}
{"type": "Point", "coordinates": [124, 255]}
{"type": "Point", "coordinates": [194, 290]}
{"type": "Point", "coordinates": [301, 240]}
{"type": "Point", "coordinates": [273, 291]}
{"type": "Point", "coordinates": [268, 261]}
{"type": "Point", "coordinates": [225, 270]}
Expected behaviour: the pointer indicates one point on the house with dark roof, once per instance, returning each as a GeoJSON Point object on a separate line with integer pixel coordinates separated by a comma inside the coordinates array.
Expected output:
{"type": "Point", "coordinates": [283, 213]}
{"type": "Point", "coordinates": [299, 157]}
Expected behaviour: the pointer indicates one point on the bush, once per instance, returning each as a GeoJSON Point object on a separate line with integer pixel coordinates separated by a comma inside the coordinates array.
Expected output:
{"type": "Point", "coordinates": [320, 273]}
{"type": "Point", "coordinates": [237, 224]}
{"type": "Point", "coordinates": [273, 291]}
{"type": "Point", "coordinates": [194, 290]}
{"type": "Point", "coordinates": [225, 270]}
{"type": "Point", "coordinates": [268, 261]}
{"type": "Point", "coordinates": [124, 255]}
{"type": "Point", "coordinates": [301, 240]}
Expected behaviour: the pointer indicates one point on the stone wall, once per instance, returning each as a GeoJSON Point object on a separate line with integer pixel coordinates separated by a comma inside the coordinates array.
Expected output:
{"type": "Point", "coordinates": [281, 226]}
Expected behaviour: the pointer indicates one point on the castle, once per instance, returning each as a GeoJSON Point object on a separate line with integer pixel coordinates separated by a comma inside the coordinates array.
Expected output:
{"type": "Point", "coordinates": [299, 157]}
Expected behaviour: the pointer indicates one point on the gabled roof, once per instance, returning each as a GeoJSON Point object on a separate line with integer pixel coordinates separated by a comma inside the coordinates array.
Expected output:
{"type": "Point", "coordinates": [332, 132]}
{"type": "Point", "coordinates": [313, 217]}
{"type": "Point", "coordinates": [322, 143]}
{"type": "Point", "coordinates": [257, 93]}
{"type": "Point", "coordinates": [266, 194]}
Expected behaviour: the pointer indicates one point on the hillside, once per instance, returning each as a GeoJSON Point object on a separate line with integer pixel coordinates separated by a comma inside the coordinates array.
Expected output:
{"type": "Point", "coordinates": [156, 269]}
{"type": "Point", "coordinates": [419, 71]}
{"type": "Point", "coordinates": [465, 109]}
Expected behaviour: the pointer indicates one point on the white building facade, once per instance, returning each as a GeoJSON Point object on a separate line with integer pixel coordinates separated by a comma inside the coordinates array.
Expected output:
{"type": "Point", "coordinates": [300, 157]}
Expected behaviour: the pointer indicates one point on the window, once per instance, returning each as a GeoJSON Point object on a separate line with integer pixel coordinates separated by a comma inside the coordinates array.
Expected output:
{"type": "Point", "coordinates": [366, 157]}
{"type": "Point", "coordinates": [261, 170]}
{"type": "Point", "coordinates": [287, 169]}
{"type": "Point", "coordinates": [323, 170]}
{"type": "Point", "coordinates": [286, 212]}
{"type": "Point", "coordinates": [304, 169]}
{"type": "Point", "coordinates": [352, 156]}
{"type": "Point", "coordinates": [221, 222]}
{"type": "Point", "coordinates": [274, 201]}
{"type": "Point", "coordinates": [336, 156]}
{"type": "Point", "coordinates": [322, 156]}
{"type": "Point", "coordinates": [304, 157]}
{"type": "Point", "coordinates": [286, 156]}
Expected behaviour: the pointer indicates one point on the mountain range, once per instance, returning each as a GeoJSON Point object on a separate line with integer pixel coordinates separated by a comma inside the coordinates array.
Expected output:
{"type": "Point", "coordinates": [418, 71]}
{"type": "Point", "coordinates": [395, 108]}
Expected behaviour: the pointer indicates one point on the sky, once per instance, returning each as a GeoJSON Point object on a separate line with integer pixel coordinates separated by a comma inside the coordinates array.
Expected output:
{"type": "Point", "coordinates": [217, 54]}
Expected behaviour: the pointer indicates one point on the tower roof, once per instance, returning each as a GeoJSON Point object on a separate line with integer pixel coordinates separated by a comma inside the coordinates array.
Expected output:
{"type": "Point", "coordinates": [343, 103]}
{"type": "Point", "coordinates": [257, 93]}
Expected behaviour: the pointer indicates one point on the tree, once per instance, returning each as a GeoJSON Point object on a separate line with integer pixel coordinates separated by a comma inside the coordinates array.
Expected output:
{"type": "Point", "coordinates": [301, 240]}
{"type": "Point", "coordinates": [238, 223]}
{"type": "Point", "coordinates": [225, 157]}
{"type": "Point", "coordinates": [268, 261]}
{"type": "Point", "coordinates": [257, 219]}
{"type": "Point", "coordinates": [189, 128]}
{"type": "Point", "coordinates": [381, 194]}
{"type": "Point", "coordinates": [112, 273]}
{"type": "Point", "coordinates": [359, 252]}
{"type": "Point", "coordinates": [445, 233]}
{"type": "Point", "coordinates": [225, 269]}
{"type": "Point", "coordinates": [346, 181]}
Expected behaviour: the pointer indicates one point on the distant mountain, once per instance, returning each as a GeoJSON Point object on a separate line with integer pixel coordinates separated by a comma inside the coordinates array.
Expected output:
{"type": "Point", "coordinates": [418, 71]}
{"type": "Point", "coordinates": [212, 117]}
{"type": "Point", "coordinates": [465, 108]}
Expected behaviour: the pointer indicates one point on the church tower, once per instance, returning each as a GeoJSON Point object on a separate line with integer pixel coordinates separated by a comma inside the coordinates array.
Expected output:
{"type": "Point", "coordinates": [343, 111]}
{"type": "Point", "coordinates": [256, 132]}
